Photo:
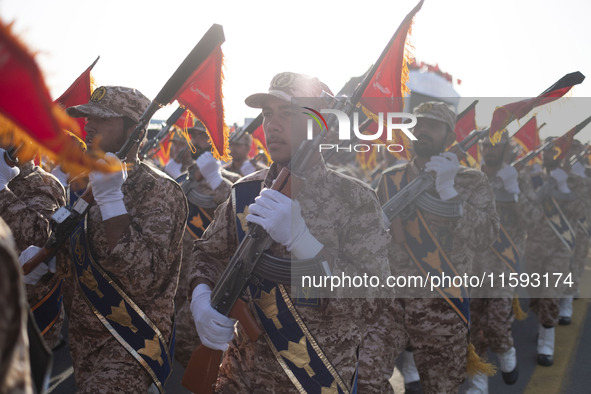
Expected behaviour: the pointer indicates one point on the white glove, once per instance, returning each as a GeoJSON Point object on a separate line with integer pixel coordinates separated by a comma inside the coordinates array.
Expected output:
{"type": "Point", "coordinates": [561, 177]}
{"type": "Point", "coordinates": [106, 188]}
{"type": "Point", "coordinates": [446, 166]}
{"type": "Point", "coordinates": [210, 169]}
{"type": "Point", "coordinates": [173, 168]}
{"type": "Point", "coordinates": [578, 169]}
{"type": "Point", "coordinates": [60, 175]}
{"type": "Point", "coordinates": [215, 330]}
{"type": "Point", "coordinates": [509, 176]}
{"type": "Point", "coordinates": [7, 173]}
{"type": "Point", "coordinates": [247, 168]}
{"type": "Point", "coordinates": [281, 217]}
{"type": "Point", "coordinates": [33, 277]}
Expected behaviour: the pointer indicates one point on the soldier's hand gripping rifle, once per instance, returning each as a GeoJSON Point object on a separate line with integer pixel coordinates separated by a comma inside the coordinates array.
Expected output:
{"type": "Point", "coordinates": [202, 370]}
{"type": "Point", "coordinates": [65, 219]}
{"type": "Point", "coordinates": [159, 137]}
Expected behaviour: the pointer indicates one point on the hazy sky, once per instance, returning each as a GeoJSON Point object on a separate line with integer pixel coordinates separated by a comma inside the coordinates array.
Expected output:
{"type": "Point", "coordinates": [502, 48]}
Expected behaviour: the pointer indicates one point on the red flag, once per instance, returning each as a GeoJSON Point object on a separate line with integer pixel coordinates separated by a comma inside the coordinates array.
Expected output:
{"type": "Point", "coordinates": [259, 142]}
{"type": "Point", "coordinates": [388, 82]}
{"type": "Point", "coordinates": [27, 111]}
{"type": "Point", "coordinates": [386, 89]}
{"type": "Point", "coordinates": [507, 113]}
{"type": "Point", "coordinates": [163, 154]}
{"type": "Point", "coordinates": [528, 136]}
{"type": "Point", "coordinates": [465, 124]}
{"type": "Point", "coordinates": [78, 93]}
{"type": "Point", "coordinates": [563, 143]}
{"type": "Point", "coordinates": [202, 95]}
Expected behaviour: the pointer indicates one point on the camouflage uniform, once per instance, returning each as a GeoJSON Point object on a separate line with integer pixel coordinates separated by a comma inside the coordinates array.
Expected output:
{"type": "Point", "coordinates": [145, 263]}
{"type": "Point", "coordinates": [15, 373]}
{"type": "Point", "coordinates": [186, 335]}
{"type": "Point", "coordinates": [435, 333]}
{"type": "Point", "coordinates": [26, 206]}
{"type": "Point", "coordinates": [582, 189]}
{"type": "Point", "coordinates": [340, 326]}
{"type": "Point", "coordinates": [491, 309]}
{"type": "Point", "coordinates": [545, 253]}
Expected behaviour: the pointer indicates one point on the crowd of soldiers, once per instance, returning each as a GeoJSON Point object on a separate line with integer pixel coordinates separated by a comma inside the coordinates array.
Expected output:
{"type": "Point", "coordinates": [138, 276]}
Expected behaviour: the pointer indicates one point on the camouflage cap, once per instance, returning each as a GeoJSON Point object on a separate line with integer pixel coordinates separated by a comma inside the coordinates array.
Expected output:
{"type": "Point", "coordinates": [436, 110]}
{"type": "Point", "coordinates": [288, 85]}
{"type": "Point", "coordinates": [112, 102]}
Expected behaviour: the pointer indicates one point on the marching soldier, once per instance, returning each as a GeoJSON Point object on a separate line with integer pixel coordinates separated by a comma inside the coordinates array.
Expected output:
{"type": "Point", "coordinates": [203, 199]}
{"type": "Point", "coordinates": [441, 234]}
{"type": "Point", "coordinates": [549, 249]}
{"type": "Point", "coordinates": [28, 198]}
{"type": "Point", "coordinates": [580, 185]}
{"type": "Point", "coordinates": [491, 305]}
{"type": "Point", "coordinates": [127, 255]}
{"type": "Point", "coordinates": [332, 227]}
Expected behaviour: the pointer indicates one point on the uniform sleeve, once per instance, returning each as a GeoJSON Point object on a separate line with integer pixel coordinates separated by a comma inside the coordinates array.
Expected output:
{"type": "Point", "coordinates": [212, 252]}
{"type": "Point", "coordinates": [28, 215]}
{"type": "Point", "coordinates": [153, 239]}
{"type": "Point", "coordinates": [479, 226]}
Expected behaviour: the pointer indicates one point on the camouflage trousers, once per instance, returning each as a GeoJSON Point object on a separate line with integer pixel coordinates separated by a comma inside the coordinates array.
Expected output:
{"type": "Point", "coordinates": [251, 367]}
{"type": "Point", "coordinates": [439, 341]}
{"type": "Point", "coordinates": [547, 256]}
{"type": "Point", "coordinates": [546, 309]}
{"type": "Point", "coordinates": [491, 320]}
{"type": "Point", "coordinates": [579, 260]}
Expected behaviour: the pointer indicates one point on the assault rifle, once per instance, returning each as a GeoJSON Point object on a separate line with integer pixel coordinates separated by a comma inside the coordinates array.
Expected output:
{"type": "Point", "coordinates": [252, 126]}
{"type": "Point", "coordinates": [578, 157]}
{"type": "Point", "coordinates": [202, 370]}
{"type": "Point", "coordinates": [65, 219]}
{"type": "Point", "coordinates": [425, 181]}
{"type": "Point", "coordinates": [158, 138]}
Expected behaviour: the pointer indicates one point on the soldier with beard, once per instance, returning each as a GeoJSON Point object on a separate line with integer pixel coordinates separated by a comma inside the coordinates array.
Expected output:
{"type": "Point", "coordinates": [442, 236]}
{"type": "Point", "coordinates": [127, 256]}
{"type": "Point", "coordinates": [310, 343]}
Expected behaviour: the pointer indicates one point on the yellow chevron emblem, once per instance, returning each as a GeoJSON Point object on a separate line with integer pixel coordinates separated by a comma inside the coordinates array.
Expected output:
{"type": "Point", "coordinates": [120, 315]}
{"type": "Point", "coordinates": [152, 349]}
{"type": "Point", "coordinates": [242, 218]}
{"type": "Point", "coordinates": [330, 390]}
{"type": "Point", "coordinates": [434, 260]}
{"type": "Point", "coordinates": [89, 281]}
{"type": "Point", "coordinates": [297, 353]}
{"type": "Point", "coordinates": [508, 253]}
{"type": "Point", "coordinates": [268, 304]}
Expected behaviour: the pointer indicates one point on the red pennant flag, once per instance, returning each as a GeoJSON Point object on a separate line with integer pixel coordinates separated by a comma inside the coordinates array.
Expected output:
{"type": "Point", "coordinates": [27, 113]}
{"type": "Point", "coordinates": [163, 154]}
{"type": "Point", "coordinates": [388, 82]}
{"type": "Point", "coordinates": [563, 143]}
{"type": "Point", "coordinates": [465, 124]}
{"type": "Point", "coordinates": [78, 93]}
{"type": "Point", "coordinates": [507, 113]}
{"type": "Point", "coordinates": [386, 89]}
{"type": "Point", "coordinates": [202, 95]}
{"type": "Point", "coordinates": [528, 136]}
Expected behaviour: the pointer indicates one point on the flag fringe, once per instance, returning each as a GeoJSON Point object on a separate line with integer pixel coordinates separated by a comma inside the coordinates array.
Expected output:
{"type": "Point", "coordinates": [476, 364]}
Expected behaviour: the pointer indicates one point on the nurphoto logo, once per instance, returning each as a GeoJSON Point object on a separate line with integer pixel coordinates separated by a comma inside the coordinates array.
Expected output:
{"type": "Point", "coordinates": [394, 121]}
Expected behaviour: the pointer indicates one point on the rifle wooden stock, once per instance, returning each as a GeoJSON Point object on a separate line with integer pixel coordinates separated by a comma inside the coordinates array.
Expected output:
{"type": "Point", "coordinates": [205, 363]}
